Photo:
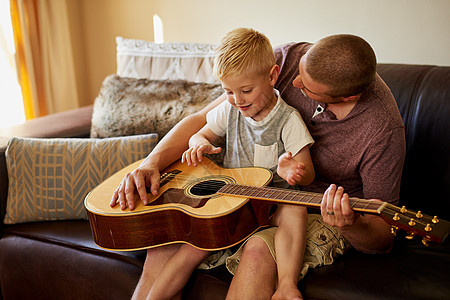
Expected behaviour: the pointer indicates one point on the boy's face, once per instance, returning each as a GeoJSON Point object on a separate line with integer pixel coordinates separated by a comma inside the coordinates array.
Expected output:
{"type": "Point", "coordinates": [252, 94]}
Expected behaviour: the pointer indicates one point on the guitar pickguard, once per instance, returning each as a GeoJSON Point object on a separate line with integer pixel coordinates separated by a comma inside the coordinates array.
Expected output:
{"type": "Point", "coordinates": [179, 196]}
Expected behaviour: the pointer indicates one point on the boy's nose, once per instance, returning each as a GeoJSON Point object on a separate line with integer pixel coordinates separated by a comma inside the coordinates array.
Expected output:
{"type": "Point", "coordinates": [238, 100]}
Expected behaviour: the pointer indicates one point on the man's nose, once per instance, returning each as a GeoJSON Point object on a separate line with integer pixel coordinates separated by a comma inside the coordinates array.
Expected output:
{"type": "Point", "coordinates": [297, 82]}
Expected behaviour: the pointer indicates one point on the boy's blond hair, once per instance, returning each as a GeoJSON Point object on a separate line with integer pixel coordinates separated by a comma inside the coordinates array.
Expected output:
{"type": "Point", "coordinates": [242, 51]}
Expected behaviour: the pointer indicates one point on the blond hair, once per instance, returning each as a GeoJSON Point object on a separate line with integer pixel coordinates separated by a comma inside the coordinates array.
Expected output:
{"type": "Point", "coordinates": [243, 51]}
{"type": "Point", "coordinates": [344, 62]}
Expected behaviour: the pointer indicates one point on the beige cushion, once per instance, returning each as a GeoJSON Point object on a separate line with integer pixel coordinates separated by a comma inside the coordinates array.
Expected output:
{"type": "Point", "coordinates": [185, 61]}
{"type": "Point", "coordinates": [127, 106]}
{"type": "Point", "coordinates": [49, 178]}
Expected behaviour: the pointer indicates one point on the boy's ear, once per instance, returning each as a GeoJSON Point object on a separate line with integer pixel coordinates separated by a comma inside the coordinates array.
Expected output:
{"type": "Point", "coordinates": [274, 72]}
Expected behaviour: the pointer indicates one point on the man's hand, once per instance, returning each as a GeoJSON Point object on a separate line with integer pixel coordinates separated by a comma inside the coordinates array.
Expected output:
{"type": "Point", "coordinates": [138, 180]}
{"type": "Point", "coordinates": [367, 233]}
{"type": "Point", "coordinates": [335, 208]}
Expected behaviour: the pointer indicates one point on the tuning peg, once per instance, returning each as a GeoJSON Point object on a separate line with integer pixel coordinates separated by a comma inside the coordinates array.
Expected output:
{"type": "Point", "coordinates": [403, 209]}
{"type": "Point", "coordinates": [435, 220]}
{"type": "Point", "coordinates": [426, 241]}
{"type": "Point", "coordinates": [419, 214]}
{"type": "Point", "coordinates": [410, 236]}
{"type": "Point", "coordinates": [428, 227]}
{"type": "Point", "coordinates": [394, 230]}
{"type": "Point", "coordinates": [396, 217]}
{"type": "Point", "coordinates": [411, 222]}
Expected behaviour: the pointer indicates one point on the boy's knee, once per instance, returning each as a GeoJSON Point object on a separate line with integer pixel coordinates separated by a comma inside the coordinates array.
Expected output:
{"type": "Point", "coordinates": [255, 249]}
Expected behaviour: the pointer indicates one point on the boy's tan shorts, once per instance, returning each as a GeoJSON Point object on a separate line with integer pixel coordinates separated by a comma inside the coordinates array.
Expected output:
{"type": "Point", "coordinates": [323, 243]}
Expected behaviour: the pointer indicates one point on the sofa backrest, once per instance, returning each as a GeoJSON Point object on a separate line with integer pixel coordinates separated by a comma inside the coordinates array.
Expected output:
{"type": "Point", "coordinates": [423, 97]}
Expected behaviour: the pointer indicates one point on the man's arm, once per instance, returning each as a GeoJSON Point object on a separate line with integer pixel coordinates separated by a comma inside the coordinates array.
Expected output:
{"type": "Point", "coordinates": [168, 150]}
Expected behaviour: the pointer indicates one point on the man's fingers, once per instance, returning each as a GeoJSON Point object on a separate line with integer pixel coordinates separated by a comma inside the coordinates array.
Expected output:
{"type": "Point", "coordinates": [139, 183]}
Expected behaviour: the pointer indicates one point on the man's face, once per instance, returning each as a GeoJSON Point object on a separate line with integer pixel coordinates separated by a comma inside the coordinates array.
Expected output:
{"type": "Point", "coordinates": [311, 88]}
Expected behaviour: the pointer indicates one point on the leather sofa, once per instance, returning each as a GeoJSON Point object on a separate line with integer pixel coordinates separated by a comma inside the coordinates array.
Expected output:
{"type": "Point", "coordinates": [59, 260]}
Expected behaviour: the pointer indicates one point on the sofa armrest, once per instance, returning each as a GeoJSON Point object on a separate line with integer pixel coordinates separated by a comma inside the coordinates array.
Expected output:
{"type": "Point", "coordinates": [74, 123]}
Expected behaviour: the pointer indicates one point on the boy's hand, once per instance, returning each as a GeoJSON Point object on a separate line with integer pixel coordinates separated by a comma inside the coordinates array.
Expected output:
{"type": "Point", "coordinates": [289, 169]}
{"type": "Point", "coordinates": [194, 154]}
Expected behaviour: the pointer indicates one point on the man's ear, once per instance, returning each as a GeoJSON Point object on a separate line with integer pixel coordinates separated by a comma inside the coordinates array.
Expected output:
{"type": "Point", "coordinates": [273, 76]}
{"type": "Point", "coordinates": [351, 98]}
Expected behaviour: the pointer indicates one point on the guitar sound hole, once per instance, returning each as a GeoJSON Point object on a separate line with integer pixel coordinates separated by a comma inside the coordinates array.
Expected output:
{"type": "Point", "coordinates": [208, 187]}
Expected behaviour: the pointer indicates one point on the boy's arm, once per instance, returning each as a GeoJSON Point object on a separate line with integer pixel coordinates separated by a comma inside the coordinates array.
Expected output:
{"type": "Point", "coordinates": [199, 144]}
{"type": "Point", "coordinates": [297, 169]}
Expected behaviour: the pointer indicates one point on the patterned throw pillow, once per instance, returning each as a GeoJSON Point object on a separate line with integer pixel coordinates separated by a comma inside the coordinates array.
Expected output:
{"type": "Point", "coordinates": [49, 178]}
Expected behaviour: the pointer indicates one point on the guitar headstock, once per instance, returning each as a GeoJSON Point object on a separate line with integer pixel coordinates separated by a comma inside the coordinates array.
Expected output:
{"type": "Point", "coordinates": [415, 223]}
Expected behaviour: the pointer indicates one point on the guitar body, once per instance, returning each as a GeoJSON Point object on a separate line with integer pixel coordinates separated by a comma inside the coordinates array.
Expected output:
{"type": "Point", "coordinates": [186, 210]}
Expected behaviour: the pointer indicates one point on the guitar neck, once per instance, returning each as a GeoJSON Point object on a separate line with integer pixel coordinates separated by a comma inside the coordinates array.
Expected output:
{"type": "Point", "coordinates": [308, 199]}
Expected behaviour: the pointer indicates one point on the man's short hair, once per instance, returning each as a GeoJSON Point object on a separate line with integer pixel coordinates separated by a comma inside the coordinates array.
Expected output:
{"type": "Point", "coordinates": [243, 51]}
{"type": "Point", "coordinates": [344, 62]}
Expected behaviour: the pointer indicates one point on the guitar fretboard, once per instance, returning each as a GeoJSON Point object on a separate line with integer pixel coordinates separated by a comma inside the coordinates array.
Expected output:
{"type": "Point", "coordinates": [295, 197]}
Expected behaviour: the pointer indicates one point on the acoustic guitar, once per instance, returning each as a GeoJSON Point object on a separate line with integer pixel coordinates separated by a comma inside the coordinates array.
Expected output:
{"type": "Point", "coordinates": [211, 208]}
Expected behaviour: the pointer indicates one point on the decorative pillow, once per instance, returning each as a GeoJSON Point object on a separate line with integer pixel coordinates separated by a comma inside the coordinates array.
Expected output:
{"type": "Point", "coordinates": [127, 106]}
{"type": "Point", "coordinates": [174, 61]}
{"type": "Point", "coordinates": [49, 178]}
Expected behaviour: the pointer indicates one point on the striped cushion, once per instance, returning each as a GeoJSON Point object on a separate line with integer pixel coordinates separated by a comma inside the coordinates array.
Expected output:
{"type": "Point", "coordinates": [49, 178]}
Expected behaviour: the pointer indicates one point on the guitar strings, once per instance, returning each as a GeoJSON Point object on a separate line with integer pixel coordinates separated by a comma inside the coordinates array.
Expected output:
{"type": "Point", "coordinates": [214, 184]}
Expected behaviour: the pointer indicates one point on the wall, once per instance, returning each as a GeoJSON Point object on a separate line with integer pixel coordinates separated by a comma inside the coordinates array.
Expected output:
{"type": "Point", "coordinates": [400, 31]}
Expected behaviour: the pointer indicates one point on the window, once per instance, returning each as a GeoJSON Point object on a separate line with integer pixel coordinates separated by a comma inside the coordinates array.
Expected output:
{"type": "Point", "coordinates": [11, 104]}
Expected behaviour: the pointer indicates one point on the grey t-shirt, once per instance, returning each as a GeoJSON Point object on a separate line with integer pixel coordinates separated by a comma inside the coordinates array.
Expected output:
{"type": "Point", "coordinates": [259, 143]}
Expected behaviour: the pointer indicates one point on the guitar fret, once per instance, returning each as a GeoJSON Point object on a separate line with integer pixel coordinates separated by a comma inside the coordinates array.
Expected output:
{"type": "Point", "coordinates": [285, 195]}
{"type": "Point", "coordinates": [256, 193]}
{"type": "Point", "coordinates": [365, 204]}
{"type": "Point", "coordinates": [244, 191]}
{"type": "Point", "coordinates": [253, 193]}
{"type": "Point", "coordinates": [317, 200]}
{"type": "Point", "coordinates": [294, 196]}
{"type": "Point", "coordinates": [354, 203]}
{"type": "Point", "coordinates": [233, 189]}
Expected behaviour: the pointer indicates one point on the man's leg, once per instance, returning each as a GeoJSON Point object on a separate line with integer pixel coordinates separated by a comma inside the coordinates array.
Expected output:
{"type": "Point", "coordinates": [154, 262]}
{"type": "Point", "coordinates": [256, 275]}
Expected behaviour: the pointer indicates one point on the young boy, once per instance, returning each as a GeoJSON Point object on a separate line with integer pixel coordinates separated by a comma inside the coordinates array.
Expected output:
{"type": "Point", "coordinates": [260, 130]}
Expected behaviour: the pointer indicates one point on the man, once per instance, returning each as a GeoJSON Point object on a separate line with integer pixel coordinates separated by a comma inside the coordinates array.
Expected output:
{"type": "Point", "coordinates": [359, 146]}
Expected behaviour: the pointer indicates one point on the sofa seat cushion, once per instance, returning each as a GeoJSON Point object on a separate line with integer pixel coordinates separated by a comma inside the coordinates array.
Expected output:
{"type": "Point", "coordinates": [410, 271]}
{"type": "Point", "coordinates": [74, 234]}
{"type": "Point", "coordinates": [33, 269]}
{"type": "Point", "coordinates": [65, 251]}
